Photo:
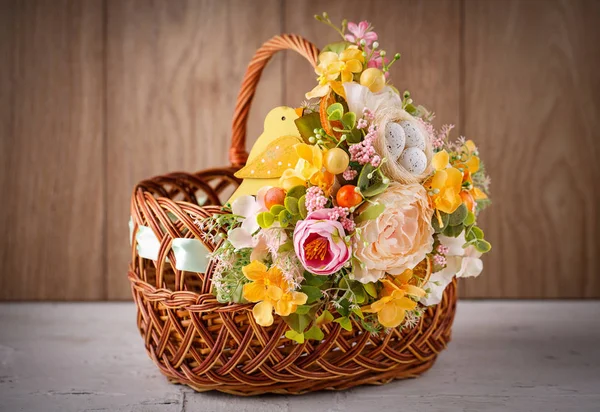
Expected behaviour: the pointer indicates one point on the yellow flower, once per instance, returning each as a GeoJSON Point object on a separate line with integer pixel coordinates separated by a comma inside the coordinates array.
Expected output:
{"type": "Point", "coordinates": [271, 291]}
{"type": "Point", "coordinates": [308, 169]}
{"type": "Point", "coordinates": [395, 301]}
{"type": "Point", "coordinates": [445, 185]}
{"type": "Point", "coordinates": [333, 66]}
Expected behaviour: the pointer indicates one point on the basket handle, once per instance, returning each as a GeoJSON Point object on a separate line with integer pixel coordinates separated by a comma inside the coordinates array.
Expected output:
{"type": "Point", "coordinates": [238, 153]}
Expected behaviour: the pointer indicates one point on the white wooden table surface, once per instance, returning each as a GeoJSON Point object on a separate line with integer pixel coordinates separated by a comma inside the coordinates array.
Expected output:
{"type": "Point", "coordinates": [504, 356]}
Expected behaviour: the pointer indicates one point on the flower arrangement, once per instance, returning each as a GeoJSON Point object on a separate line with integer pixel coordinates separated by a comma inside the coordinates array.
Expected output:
{"type": "Point", "coordinates": [356, 211]}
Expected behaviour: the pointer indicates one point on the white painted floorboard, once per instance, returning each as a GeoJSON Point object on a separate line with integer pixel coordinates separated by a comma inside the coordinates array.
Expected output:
{"type": "Point", "coordinates": [505, 356]}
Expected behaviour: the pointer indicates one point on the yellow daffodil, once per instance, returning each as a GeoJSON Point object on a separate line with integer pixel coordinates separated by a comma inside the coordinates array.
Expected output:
{"type": "Point", "coordinates": [308, 169]}
{"type": "Point", "coordinates": [333, 67]}
{"type": "Point", "coordinates": [271, 291]}
{"type": "Point", "coordinates": [395, 301]}
{"type": "Point", "coordinates": [445, 185]}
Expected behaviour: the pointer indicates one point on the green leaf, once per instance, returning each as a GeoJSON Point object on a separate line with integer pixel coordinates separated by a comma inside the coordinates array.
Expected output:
{"type": "Point", "coordinates": [302, 207]}
{"type": "Point", "coordinates": [307, 123]}
{"type": "Point", "coordinates": [470, 219]}
{"type": "Point", "coordinates": [293, 335]}
{"type": "Point", "coordinates": [371, 289]}
{"type": "Point", "coordinates": [324, 318]}
{"type": "Point", "coordinates": [344, 307]}
{"type": "Point", "coordinates": [470, 235]}
{"type": "Point", "coordinates": [335, 108]}
{"type": "Point", "coordinates": [302, 309]}
{"type": "Point", "coordinates": [483, 246]}
{"type": "Point", "coordinates": [453, 231]}
{"type": "Point", "coordinates": [313, 293]}
{"type": "Point", "coordinates": [477, 232]}
{"type": "Point", "coordinates": [276, 209]}
{"type": "Point", "coordinates": [285, 218]}
{"type": "Point", "coordinates": [349, 120]}
{"type": "Point", "coordinates": [375, 189]}
{"type": "Point", "coordinates": [298, 322]}
{"type": "Point", "coordinates": [359, 292]}
{"type": "Point", "coordinates": [354, 137]}
{"type": "Point", "coordinates": [336, 47]}
{"type": "Point", "coordinates": [291, 204]}
{"type": "Point", "coordinates": [314, 280]}
{"type": "Point", "coordinates": [370, 213]}
{"type": "Point", "coordinates": [345, 323]}
{"type": "Point", "coordinates": [265, 219]}
{"type": "Point", "coordinates": [288, 246]}
{"type": "Point", "coordinates": [296, 191]}
{"type": "Point", "coordinates": [314, 333]}
{"type": "Point", "coordinates": [436, 223]}
{"type": "Point", "coordinates": [358, 313]}
{"type": "Point", "coordinates": [458, 216]}
{"type": "Point", "coordinates": [363, 178]}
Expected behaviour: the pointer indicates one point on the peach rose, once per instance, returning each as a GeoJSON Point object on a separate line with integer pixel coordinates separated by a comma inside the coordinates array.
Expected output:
{"type": "Point", "coordinates": [399, 238]}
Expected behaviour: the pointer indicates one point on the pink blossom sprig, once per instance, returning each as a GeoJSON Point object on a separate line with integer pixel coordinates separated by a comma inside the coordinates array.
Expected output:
{"type": "Point", "coordinates": [315, 199]}
{"type": "Point", "coordinates": [349, 174]}
{"type": "Point", "coordinates": [442, 250]}
{"type": "Point", "coordinates": [439, 260]}
{"type": "Point", "coordinates": [343, 215]}
{"type": "Point", "coordinates": [359, 32]}
{"type": "Point", "coordinates": [364, 152]}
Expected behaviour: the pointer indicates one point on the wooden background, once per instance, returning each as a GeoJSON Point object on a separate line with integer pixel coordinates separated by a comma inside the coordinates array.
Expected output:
{"type": "Point", "coordinates": [97, 95]}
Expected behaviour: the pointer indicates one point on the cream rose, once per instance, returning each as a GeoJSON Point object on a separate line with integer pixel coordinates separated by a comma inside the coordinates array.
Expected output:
{"type": "Point", "coordinates": [399, 238]}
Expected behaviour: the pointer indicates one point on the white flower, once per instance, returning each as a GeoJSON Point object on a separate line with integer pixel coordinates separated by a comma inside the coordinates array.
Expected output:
{"type": "Point", "coordinates": [247, 207]}
{"type": "Point", "coordinates": [359, 97]}
{"type": "Point", "coordinates": [462, 263]}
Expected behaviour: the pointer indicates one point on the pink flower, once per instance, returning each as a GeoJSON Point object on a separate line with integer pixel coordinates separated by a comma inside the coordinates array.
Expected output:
{"type": "Point", "coordinates": [319, 243]}
{"type": "Point", "coordinates": [315, 199]}
{"type": "Point", "coordinates": [360, 32]}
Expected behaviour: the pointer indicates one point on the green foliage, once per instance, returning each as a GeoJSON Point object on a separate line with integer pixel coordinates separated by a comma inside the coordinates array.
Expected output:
{"type": "Point", "coordinates": [344, 322]}
{"type": "Point", "coordinates": [302, 207]}
{"type": "Point", "coordinates": [295, 336]}
{"type": "Point", "coordinates": [291, 204]}
{"type": "Point", "coordinates": [458, 216]}
{"type": "Point", "coordinates": [313, 293]}
{"type": "Point", "coordinates": [314, 333]}
{"type": "Point", "coordinates": [335, 112]}
{"type": "Point", "coordinates": [231, 281]}
{"type": "Point", "coordinates": [307, 124]}
{"type": "Point", "coordinates": [370, 213]}
{"type": "Point", "coordinates": [297, 192]}
{"type": "Point", "coordinates": [371, 181]}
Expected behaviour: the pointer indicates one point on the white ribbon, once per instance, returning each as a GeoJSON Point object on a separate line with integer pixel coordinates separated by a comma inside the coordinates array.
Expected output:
{"type": "Point", "coordinates": [190, 254]}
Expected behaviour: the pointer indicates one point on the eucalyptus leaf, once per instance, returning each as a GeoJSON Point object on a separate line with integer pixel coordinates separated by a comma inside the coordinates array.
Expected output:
{"type": "Point", "coordinates": [302, 207]}
{"type": "Point", "coordinates": [470, 219]}
{"type": "Point", "coordinates": [285, 218]}
{"type": "Point", "coordinates": [277, 209]}
{"type": "Point", "coordinates": [371, 212]}
{"type": "Point", "coordinates": [458, 216]}
{"type": "Point", "coordinates": [297, 191]}
{"type": "Point", "coordinates": [291, 204]}
{"type": "Point", "coordinates": [453, 231]}
{"type": "Point", "coordinates": [335, 107]}
{"type": "Point", "coordinates": [483, 246]}
{"type": "Point", "coordinates": [355, 136]}
{"type": "Point", "coordinates": [435, 222]}
{"type": "Point", "coordinates": [349, 120]}
{"type": "Point", "coordinates": [375, 189]}
{"type": "Point", "coordinates": [265, 219]}
{"type": "Point", "coordinates": [477, 232]}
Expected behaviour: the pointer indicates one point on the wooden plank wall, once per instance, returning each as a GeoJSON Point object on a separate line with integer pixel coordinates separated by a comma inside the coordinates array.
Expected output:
{"type": "Point", "coordinates": [96, 95]}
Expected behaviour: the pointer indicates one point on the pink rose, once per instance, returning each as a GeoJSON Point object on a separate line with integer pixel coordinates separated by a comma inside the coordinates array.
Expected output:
{"type": "Point", "coordinates": [319, 243]}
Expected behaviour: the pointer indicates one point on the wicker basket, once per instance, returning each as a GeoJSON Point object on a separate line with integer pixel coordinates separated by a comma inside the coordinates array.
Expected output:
{"type": "Point", "coordinates": [206, 345]}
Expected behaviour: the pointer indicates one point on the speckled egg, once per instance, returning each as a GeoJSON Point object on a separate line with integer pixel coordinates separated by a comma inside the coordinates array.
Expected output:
{"type": "Point", "coordinates": [414, 160]}
{"type": "Point", "coordinates": [414, 135]}
{"type": "Point", "coordinates": [395, 139]}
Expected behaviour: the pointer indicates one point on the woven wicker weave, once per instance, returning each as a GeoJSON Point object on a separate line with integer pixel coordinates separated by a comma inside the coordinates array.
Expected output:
{"type": "Point", "coordinates": [207, 345]}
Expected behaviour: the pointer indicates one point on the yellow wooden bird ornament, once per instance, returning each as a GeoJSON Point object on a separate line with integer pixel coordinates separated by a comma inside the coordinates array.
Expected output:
{"type": "Point", "coordinates": [272, 153]}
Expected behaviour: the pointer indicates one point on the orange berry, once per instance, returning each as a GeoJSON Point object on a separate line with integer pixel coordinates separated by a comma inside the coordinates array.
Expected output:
{"type": "Point", "coordinates": [274, 196]}
{"type": "Point", "coordinates": [348, 197]}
